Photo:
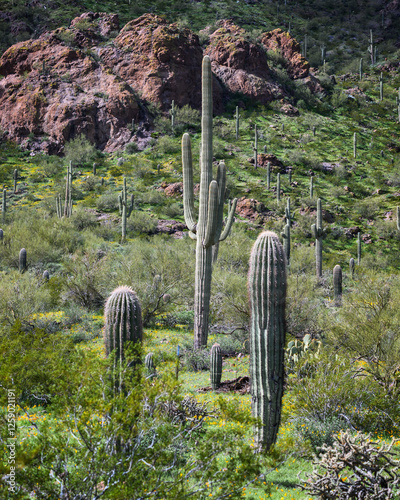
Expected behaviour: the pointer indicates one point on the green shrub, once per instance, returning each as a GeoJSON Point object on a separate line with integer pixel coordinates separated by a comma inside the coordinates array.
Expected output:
{"type": "Point", "coordinates": [80, 151]}
{"type": "Point", "coordinates": [107, 202]}
{"type": "Point", "coordinates": [141, 223]}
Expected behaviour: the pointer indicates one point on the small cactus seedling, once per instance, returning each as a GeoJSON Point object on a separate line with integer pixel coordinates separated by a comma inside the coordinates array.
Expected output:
{"type": "Point", "coordinates": [22, 260]}
{"type": "Point", "coordinates": [267, 292]}
{"type": "Point", "coordinates": [149, 364]}
{"type": "Point", "coordinates": [215, 366]}
{"type": "Point", "coordinates": [337, 284]}
{"type": "Point", "coordinates": [352, 266]}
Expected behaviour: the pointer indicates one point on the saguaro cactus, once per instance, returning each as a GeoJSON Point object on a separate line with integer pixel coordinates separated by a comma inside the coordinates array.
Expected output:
{"type": "Point", "coordinates": [208, 230]}
{"type": "Point", "coordinates": [337, 284]}
{"type": "Point", "coordinates": [215, 366]}
{"type": "Point", "coordinates": [361, 68]}
{"type": "Point", "coordinates": [15, 177]}
{"type": "Point", "coordinates": [124, 210]}
{"type": "Point", "coordinates": [173, 114]}
{"type": "Point", "coordinates": [352, 266]}
{"type": "Point", "coordinates": [371, 47]}
{"type": "Point", "coordinates": [278, 187]}
{"type": "Point", "coordinates": [267, 292]}
{"type": "Point", "coordinates": [381, 87]}
{"type": "Point", "coordinates": [122, 322]}
{"type": "Point", "coordinates": [311, 187]}
{"type": "Point", "coordinates": [318, 233]}
{"type": "Point", "coordinates": [4, 207]}
{"type": "Point", "coordinates": [237, 117]}
{"type": "Point", "coordinates": [286, 241]}
{"type": "Point", "coordinates": [22, 260]}
{"type": "Point", "coordinates": [255, 146]}
{"type": "Point", "coordinates": [46, 275]}
{"type": "Point", "coordinates": [355, 145]}
{"type": "Point", "coordinates": [68, 192]}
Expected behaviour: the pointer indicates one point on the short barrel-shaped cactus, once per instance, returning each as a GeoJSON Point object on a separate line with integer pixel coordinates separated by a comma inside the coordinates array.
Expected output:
{"type": "Point", "coordinates": [22, 260]}
{"type": "Point", "coordinates": [122, 322]}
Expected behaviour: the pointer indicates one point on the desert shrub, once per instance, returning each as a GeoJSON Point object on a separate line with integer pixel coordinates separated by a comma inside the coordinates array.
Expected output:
{"type": "Point", "coordinates": [196, 360]}
{"type": "Point", "coordinates": [131, 148]}
{"type": "Point", "coordinates": [168, 145]}
{"type": "Point", "coordinates": [80, 151]}
{"type": "Point", "coordinates": [83, 219]}
{"type": "Point", "coordinates": [174, 210]}
{"type": "Point", "coordinates": [188, 116]}
{"type": "Point", "coordinates": [318, 433]}
{"type": "Point", "coordinates": [107, 202]}
{"type": "Point", "coordinates": [152, 197]}
{"type": "Point", "coordinates": [141, 223]}
{"type": "Point", "coordinates": [366, 209]}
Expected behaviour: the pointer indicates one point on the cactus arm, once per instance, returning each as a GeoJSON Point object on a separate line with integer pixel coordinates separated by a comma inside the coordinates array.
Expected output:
{"type": "Point", "coordinates": [193, 236]}
{"type": "Point", "coordinates": [120, 203]}
{"type": "Point", "coordinates": [229, 221]}
{"type": "Point", "coordinates": [188, 194]}
{"type": "Point", "coordinates": [212, 215]}
{"type": "Point", "coordinates": [221, 181]}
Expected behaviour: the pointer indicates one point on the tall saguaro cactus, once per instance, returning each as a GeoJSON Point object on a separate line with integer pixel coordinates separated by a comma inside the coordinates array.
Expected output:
{"type": "Point", "coordinates": [124, 210]}
{"type": "Point", "coordinates": [318, 233]}
{"type": "Point", "coordinates": [68, 192]}
{"type": "Point", "coordinates": [208, 230]}
{"type": "Point", "coordinates": [267, 292]}
{"type": "Point", "coordinates": [237, 117]}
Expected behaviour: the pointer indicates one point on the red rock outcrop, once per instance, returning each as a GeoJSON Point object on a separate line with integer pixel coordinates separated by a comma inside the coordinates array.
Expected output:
{"type": "Point", "coordinates": [281, 41]}
{"type": "Point", "coordinates": [161, 61]}
{"type": "Point", "coordinates": [241, 65]}
{"type": "Point", "coordinates": [52, 92]}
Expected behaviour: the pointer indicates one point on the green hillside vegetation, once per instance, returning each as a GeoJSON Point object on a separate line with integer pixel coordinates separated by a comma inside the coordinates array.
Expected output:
{"type": "Point", "coordinates": [158, 433]}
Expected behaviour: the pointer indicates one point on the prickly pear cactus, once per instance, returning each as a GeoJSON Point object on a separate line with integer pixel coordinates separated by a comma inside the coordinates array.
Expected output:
{"type": "Point", "coordinates": [267, 292]}
{"type": "Point", "coordinates": [215, 366]}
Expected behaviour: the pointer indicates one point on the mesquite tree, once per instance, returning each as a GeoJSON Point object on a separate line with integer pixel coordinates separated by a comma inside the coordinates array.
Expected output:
{"type": "Point", "coordinates": [208, 230]}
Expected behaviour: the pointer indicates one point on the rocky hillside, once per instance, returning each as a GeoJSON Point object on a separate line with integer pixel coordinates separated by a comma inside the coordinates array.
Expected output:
{"type": "Point", "coordinates": [96, 79]}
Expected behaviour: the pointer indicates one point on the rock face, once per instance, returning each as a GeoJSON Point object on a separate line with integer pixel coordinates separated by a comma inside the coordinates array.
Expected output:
{"type": "Point", "coordinates": [95, 80]}
{"type": "Point", "coordinates": [281, 41]}
{"type": "Point", "coordinates": [241, 65]}
{"type": "Point", "coordinates": [52, 92]}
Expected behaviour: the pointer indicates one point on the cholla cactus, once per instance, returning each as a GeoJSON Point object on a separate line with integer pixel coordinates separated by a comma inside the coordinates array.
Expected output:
{"type": "Point", "coordinates": [215, 366]}
{"type": "Point", "coordinates": [208, 230]}
{"type": "Point", "coordinates": [267, 292]}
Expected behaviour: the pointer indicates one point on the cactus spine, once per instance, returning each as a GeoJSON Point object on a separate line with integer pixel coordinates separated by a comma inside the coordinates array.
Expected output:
{"type": "Point", "coordinates": [68, 192]}
{"type": "Point", "coordinates": [15, 177]}
{"type": "Point", "coordinates": [124, 210]}
{"type": "Point", "coordinates": [122, 324]}
{"type": "Point", "coordinates": [352, 266]}
{"type": "Point", "coordinates": [355, 145]}
{"type": "Point", "coordinates": [358, 247]}
{"type": "Point", "coordinates": [268, 175]}
{"type": "Point", "coordinates": [208, 230]}
{"type": "Point", "coordinates": [267, 292]}
{"type": "Point", "coordinates": [4, 207]}
{"type": "Point", "coordinates": [255, 146]}
{"type": "Point", "coordinates": [22, 260]}
{"type": "Point", "coordinates": [318, 233]}
{"type": "Point", "coordinates": [215, 366]}
{"type": "Point", "coordinates": [337, 284]}
{"type": "Point", "coordinates": [237, 117]}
